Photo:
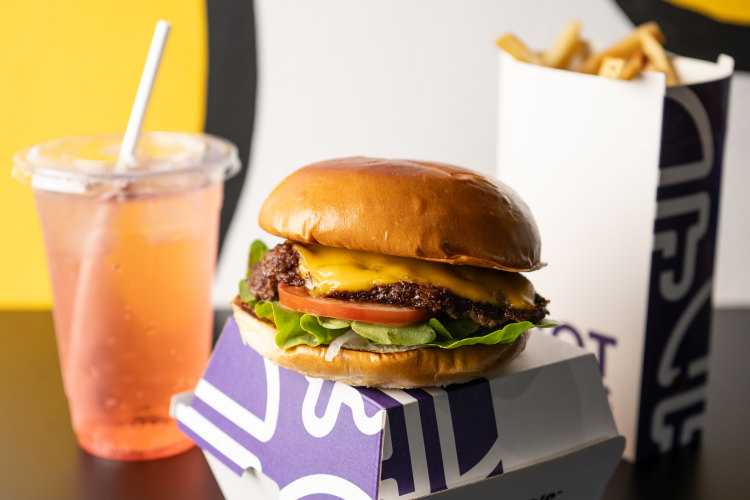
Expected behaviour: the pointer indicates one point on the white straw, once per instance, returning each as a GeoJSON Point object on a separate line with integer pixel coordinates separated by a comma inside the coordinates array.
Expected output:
{"type": "Point", "coordinates": [137, 114]}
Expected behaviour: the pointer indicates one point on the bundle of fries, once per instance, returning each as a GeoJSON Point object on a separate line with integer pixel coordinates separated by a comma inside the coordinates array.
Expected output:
{"type": "Point", "coordinates": [641, 50]}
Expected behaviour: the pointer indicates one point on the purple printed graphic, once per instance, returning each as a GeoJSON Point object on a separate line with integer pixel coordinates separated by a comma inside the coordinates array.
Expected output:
{"type": "Point", "coordinates": [315, 437]}
{"type": "Point", "coordinates": [289, 428]}
{"type": "Point", "coordinates": [472, 405]}
{"type": "Point", "coordinates": [397, 463]}
{"type": "Point", "coordinates": [433, 451]}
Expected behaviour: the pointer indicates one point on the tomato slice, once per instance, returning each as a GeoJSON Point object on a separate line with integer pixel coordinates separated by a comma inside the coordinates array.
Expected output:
{"type": "Point", "coordinates": [297, 298]}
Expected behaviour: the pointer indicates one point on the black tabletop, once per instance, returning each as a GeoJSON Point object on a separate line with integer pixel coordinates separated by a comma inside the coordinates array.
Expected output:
{"type": "Point", "coordinates": [39, 457]}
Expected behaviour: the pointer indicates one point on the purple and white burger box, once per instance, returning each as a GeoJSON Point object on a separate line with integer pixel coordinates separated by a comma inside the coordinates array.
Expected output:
{"type": "Point", "coordinates": [541, 428]}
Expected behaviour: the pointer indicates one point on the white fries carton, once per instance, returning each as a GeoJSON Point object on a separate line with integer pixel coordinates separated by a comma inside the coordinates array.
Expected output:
{"type": "Point", "coordinates": [623, 178]}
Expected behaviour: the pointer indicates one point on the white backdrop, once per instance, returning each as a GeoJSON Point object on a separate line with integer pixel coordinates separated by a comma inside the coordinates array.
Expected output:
{"type": "Point", "coordinates": [417, 79]}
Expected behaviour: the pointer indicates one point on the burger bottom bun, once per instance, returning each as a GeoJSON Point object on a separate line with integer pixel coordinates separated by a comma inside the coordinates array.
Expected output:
{"type": "Point", "coordinates": [422, 367]}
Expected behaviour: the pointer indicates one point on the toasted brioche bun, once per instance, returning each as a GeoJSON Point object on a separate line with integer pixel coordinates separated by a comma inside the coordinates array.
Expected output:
{"type": "Point", "coordinates": [429, 211]}
{"type": "Point", "coordinates": [422, 367]}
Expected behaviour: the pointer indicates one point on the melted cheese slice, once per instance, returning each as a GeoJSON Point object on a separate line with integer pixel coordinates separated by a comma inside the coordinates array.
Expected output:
{"type": "Point", "coordinates": [328, 269]}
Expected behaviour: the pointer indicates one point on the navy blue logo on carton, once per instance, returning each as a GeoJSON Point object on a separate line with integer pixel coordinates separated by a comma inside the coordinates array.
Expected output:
{"type": "Point", "coordinates": [679, 305]}
{"type": "Point", "coordinates": [450, 438]}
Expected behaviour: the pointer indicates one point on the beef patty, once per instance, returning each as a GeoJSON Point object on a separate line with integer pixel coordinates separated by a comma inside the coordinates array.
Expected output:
{"type": "Point", "coordinates": [280, 266]}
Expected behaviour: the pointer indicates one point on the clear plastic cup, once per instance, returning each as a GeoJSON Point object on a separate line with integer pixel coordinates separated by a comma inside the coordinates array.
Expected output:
{"type": "Point", "coordinates": [131, 254]}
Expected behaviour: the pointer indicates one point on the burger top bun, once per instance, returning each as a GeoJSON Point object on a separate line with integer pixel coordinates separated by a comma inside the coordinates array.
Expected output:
{"type": "Point", "coordinates": [422, 367]}
{"type": "Point", "coordinates": [430, 211]}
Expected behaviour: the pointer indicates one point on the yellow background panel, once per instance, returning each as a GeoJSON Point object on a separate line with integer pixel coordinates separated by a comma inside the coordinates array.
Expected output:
{"type": "Point", "coordinates": [728, 11]}
{"type": "Point", "coordinates": [69, 68]}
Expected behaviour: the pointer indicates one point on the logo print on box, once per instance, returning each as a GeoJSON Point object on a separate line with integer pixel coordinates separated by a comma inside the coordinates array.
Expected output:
{"type": "Point", "coordinates": [310, 436]}
{"type": "Point", "coordinates": [341, 394]}
{"type": "Point", "coordinates": [444, 438]}
{"type": "Point", "coordinates": [317, 437]}
{"type": "Point", "coordinates": [679, 306]}
{"type": "Point", "coordinates": [261, 429]}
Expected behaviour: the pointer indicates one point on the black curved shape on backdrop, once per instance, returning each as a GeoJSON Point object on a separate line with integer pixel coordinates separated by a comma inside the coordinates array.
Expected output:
{"type": "Point", "coordinates": [692, 34]}
{"type": "Point", "coordinates": [232, 78]}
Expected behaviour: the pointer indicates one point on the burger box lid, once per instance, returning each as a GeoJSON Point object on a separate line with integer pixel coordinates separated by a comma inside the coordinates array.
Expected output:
{"type": "Point", "coordinates": [581, 474]}
{"type": "Point", "coordinates": [637, 165]}
{"type": "Point", "coordinates": [266, 428]}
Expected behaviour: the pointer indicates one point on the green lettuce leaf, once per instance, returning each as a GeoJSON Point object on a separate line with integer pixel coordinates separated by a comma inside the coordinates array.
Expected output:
{"type": "Point", "coordinates": [257, 250]}
{"type": "Point", "coordinates": [245, 294]}
{"type": "Point", "coordinates": [324, 329]}
{"type": "Point", "coordinates": [407, 335]}
{"type": "Point", "coordinates": [333, 323]}
{"type": "Point", "coordinates": [290, 332]}
{"type": "Point", "coordinates": [299, 328]}
{"type": "Point", "coordinates": [505, 335]}
{"type": "Point", "coordinates": [453, 329]}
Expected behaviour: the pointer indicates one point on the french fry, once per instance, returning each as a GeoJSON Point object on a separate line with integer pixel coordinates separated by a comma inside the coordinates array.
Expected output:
{"type": "Point", "coordinates": [650, 67]}
{"type": "Point", "coordinates": [641, 50]}
{"type": "Point", "coordinates": [624, 48]}
{"type": "Point", "coordinates": [511, 44]}
{"type": "Point", "coordinates": [581, 53]}
{"type": "Point", "coordinates": [656, 56]}
{"type": "Point", "coordinates": [612, 67]}
{"type": "Point", "coordinates": [566, 43]}
{"type": "Point", "coordinates": [633, 65]}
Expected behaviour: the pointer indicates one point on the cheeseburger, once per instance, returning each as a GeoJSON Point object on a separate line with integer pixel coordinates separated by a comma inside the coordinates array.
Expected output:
{"type": "Point", "coordinates": [394, 273]}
